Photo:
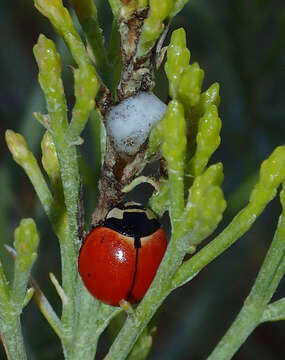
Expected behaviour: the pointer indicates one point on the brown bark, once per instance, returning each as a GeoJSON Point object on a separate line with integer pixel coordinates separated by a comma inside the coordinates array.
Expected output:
{"type": "Point", "coordinates": [137, 75]}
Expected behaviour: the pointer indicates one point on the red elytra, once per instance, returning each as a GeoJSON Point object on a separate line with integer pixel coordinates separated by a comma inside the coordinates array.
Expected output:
{"type": "Point", "coordinates": [114, 266]}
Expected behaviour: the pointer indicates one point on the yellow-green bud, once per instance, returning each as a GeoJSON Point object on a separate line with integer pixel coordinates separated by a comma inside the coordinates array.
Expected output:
{"type": "Point", "coordinates": [153, 25]}
{"type": "Point", "coordinates": [49, 158]}
{"type": "Point", "coordinates": [152, 29]}
{"type": "Point", "coordinates": [205, 204]}
{"type": "Point", "coordinates": [272, 173]}
{"type": "Point", "coordinates": [56, 13]}
{"type": "Point", "coordinates": [61, 20]}
{"type": "Point", "coordinates": [209, 97]}
{"type": "Point", "coordinates": [207, 140]}
{"type": "Point", "coordinates": [26, 243]}
{"type": "Point", "coordinates": [50, 76]}
{"type": "Point", "coordinates": [174, 135]}
{"type": "Point", "coordinates": [178, 57]}
{"type": "Point", "coordinates": [189, 88]}
{"type": "Point", "coordinates": [86, 86]}
{"type": "Point", "coordinates": [17, 146]}
{"type": "Point", "coordinates": [160, 9]}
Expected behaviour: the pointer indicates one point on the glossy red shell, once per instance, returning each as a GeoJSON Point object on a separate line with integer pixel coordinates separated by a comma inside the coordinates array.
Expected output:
{"type": "Point", "coordinates": [107, 263]}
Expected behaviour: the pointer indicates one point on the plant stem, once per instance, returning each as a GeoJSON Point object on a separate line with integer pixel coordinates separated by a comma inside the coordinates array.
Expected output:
{"type": "Point", "coordinates": [85, 345]}
{"type": "Point", "coordinates": [94, 318]}
{"type": "Point", "coordinates": [115, 6]}
{"type": "Point", "coordinates": [87, 15]}
{"type": "Point", "coordinates": [264, 287]}
{"type": "Point", "coordinates": [272, 174]}
{"type": "Point", "coordinates": [242, 327]}
{"type": "Point", "coordinates": [12, 334]}
{"type": "Point", "coordinates": [239, 225]}
{"type": "Point", "coordinates": [19, 287]}
{"type": "Point", "coordinates": [4, 289]}
{"type": "Point", "coordinates": [275, 311]}
{"type": "Point", "coordinates": [69, 174]}
{"type": "Point", "coordinates": [66, 226]}
{"type": "Point", "coordinates": [176, 193]}
{"type": "Point", "coordinates": [46, 308]}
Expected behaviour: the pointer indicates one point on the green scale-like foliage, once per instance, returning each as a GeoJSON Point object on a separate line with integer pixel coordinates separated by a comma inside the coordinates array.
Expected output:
{"type": "Point", "coordinates": [188, 134]}
{"type": "Point", "coordinates": [189, 189]}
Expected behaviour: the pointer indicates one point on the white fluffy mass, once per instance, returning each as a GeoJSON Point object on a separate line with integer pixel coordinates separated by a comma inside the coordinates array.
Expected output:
{"type": "Point", "coordinates": [129, 123]}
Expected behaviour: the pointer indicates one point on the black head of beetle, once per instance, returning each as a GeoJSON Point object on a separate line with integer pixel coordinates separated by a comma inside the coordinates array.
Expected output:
{"type": "Point", "coordinates": [131, 219]}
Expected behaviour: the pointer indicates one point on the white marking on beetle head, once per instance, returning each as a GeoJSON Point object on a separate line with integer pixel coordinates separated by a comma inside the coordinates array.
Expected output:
{"type": "Point", "coordinates": [150, 215]}
{"type": "Point", "coordinates": [119, 213]}
{"type": "Point", "coordinates": [132, 203]}
{"type": "Point", "coordinates": [115, 213]}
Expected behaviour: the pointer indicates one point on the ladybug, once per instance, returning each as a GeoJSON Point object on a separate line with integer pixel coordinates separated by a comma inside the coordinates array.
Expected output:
{"type": "Point", "coordinates": [119, 258]}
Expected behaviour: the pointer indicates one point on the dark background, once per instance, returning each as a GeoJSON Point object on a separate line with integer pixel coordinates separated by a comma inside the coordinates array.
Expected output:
{"type": "Point", "coordinates": [240, 44]}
